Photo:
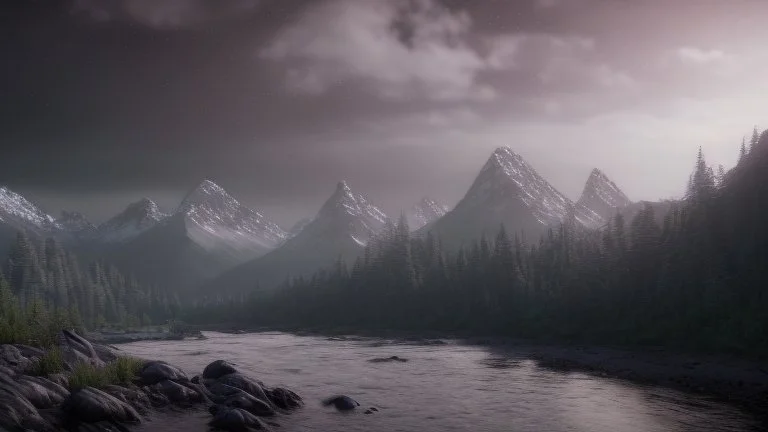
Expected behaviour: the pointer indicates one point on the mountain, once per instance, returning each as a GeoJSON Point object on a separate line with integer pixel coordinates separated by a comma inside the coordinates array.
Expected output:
{"type": "Point", "coordinates": [507, 191]}
{"type": "Point", "coordinates": [425, 211]}
{"type": "Point", "coordinates": [75, 222]}
{"type": "Point", "coordinates": [341, 229]}
{"type": "Point", "coordinates": [131, 222]}
{"type": "Point", "coordinates": [209, 233]}
{"type": "Point", "coordinates": [299, 226]}
{"type": "Point", "coordinates": [600, 200]}
{"type": "Point", "coordinates": [18, 213]}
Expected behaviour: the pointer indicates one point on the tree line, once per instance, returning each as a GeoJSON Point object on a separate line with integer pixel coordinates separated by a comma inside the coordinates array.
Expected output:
{"type": "Point", "coordinates": [44, 288]}
{"type": "Point", "coordinates": [695, 281]}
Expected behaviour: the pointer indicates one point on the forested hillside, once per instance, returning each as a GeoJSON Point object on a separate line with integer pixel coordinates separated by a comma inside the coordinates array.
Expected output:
{"type": "Point", "coordinates": [42, 285]}
{"type": "Point", "coordinates": [696, 281]}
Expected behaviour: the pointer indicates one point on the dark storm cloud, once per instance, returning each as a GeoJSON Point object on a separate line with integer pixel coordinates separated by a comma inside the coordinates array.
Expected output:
{"type": "Point", "coordinates": [278, 99]}
{"type": "Point", "coordinates": [164, 14]}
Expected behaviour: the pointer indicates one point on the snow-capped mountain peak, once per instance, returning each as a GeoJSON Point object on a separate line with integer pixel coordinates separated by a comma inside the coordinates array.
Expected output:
{"type": "Point", "coordinates": [16, 209]}
{"type": "Point", "coordinates": [507, 174]}
{"type": "Point", "coordinates": [345, 201]}
{"type": "Point", "coordinates": [353, 213]}
{"type": "Point", "coordinates": [207, 193]}
{"type": "Point", "coordinates": [425, 211]}
{"type": "Point", "coordinates": [134, 220]}
{"type": "Point", "coordinates": [218, 214]}
{"type": "Point", "coordinates": [601, 187]}
{"type": "Point", "coordinates": [601, 199]}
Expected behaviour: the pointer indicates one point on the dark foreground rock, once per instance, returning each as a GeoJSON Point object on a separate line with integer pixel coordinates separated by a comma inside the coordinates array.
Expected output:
{"type": "Point", "coordinates": [154, 372]}
{"type": "Point", "coordinates": [218, 369]}
{"type": "Point", "coordinates": [341, 403]}
{"type": "Point", "coordinates": [90, 405]}
{"type": "Point", "coordinates": [48, 403]}
{"type": "Point", "coordinates": [235, 419]}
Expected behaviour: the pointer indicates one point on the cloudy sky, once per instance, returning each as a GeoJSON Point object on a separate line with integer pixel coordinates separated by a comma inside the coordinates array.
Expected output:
{"type": "Point", "coordinates": [106, 101]}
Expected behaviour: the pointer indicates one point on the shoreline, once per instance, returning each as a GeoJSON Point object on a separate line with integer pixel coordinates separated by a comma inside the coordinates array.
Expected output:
{"type": "Point", "coordinates": [735, 380]}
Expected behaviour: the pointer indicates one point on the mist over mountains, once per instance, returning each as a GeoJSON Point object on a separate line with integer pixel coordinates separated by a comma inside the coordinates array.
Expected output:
{"type": "Point", "coordinates": [212, 243]}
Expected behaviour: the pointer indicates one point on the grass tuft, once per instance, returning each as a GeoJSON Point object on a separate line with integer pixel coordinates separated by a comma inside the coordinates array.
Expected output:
{"type": "Point", "coordinates": [119, 372]}
{"type": "Point", "coordinates": [51, 362]}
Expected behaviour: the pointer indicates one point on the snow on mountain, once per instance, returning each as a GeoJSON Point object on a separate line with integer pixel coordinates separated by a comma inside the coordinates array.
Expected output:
{"type": "Point", "coordinates": [18, 212]}
{"type": "Point", "coordinates": [507, 191]}
{"type": "Point", "coordinates": [354, 213]}
{"type": "Point", "coordinates": [342, 227]}
{"type": "Point", "coordinates": [215, 216]}
{"type": "Point", "coordinates": [137, 218]}
{"type": "Point", "coordinates": [507, 173]}
{"type": "Point", "coordinates": [600, 201]}
{"type": "Point", "coordinates": [425, 211]}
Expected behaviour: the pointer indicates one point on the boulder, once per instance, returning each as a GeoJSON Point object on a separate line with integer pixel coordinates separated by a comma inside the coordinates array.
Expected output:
{"type": "Point", "coordinates": [177, 393]}
{"type": "Point", "coordinates": [104, 353]}
{"type": "Point", "coordinates": [341, 403]}
{"type": "Point", "coordinates": [42, 392]}
{"type": "Point", "coordinates": [18, 413]}
{"type": "Point", "coordinates": [235, 419]}
{"type": "Point", "coordinates": [90, 405]}
{"type": "Point", "coordinates": [249, 385]}
{"type": "Point", "coordinates": [156, 371]}
{"type": "Point", "coordinates": [59, 379]}
{"type": "Point", "coordinates": [11, 357]}
{"type": "Point", "coordinates": [218, 369]}
{"type": "Point", "coordinates": [134, 397]}
{"type": "Point", "coordinates": [245, 401]}
{"type": "Point", "coordinates": [29, 351]}
{"type": "Point", "coordinates": [284, 398]}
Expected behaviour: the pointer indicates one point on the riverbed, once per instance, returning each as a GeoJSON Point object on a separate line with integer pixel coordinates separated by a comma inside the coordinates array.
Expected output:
{"type": "Point", "coordinates": [444, 386]}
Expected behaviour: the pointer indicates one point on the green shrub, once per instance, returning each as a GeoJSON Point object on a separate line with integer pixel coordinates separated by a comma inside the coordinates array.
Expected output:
{"type": "Point", "coordinates": [119, 372]}
{"type": "Point", "coordinates": [50, 363]}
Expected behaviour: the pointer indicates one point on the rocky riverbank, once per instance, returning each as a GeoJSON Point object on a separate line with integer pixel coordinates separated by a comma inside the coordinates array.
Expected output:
{"type": "Point", "coordinates": [83, 386]}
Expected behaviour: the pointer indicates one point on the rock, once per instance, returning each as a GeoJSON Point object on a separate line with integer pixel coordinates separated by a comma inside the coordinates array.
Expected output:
{"type": "Point", "coordinates": [341, 403]}
{"type": "Point", "coordinates": [29, 351]}
{"type": "Point", "coordinates": [156, 371]}
{"type": "Point", "coordinates": [10, 357]}
{"type": "Point", "coordinates": [249, 385]}
{"type": "Point", "coordinates": [105, 353]}
{"type": "Point", "coordinates": [59, 379]}
{"type": "Point", "coordinates": [41, 392]}
{"type": "Point", "coordinates": [218, 369]}
{"type": "Point", "coordinates": [90, 405]}
{"type": "Point", "coordinates": [78, 343]}
{"type": "Point", "coordinates": [249, 403]}
{"type": "Point", "coordinates": [18, 413]}
{"type": "Point", "coordinates": [134, 397]}
{"type": "Point", "coordinates": [76, 349]}
{"type": "Point", "coordinates": [5, 370]}
{"type": "Point", "coordinates": [222, 390]}
{"type": "Point", "coordinates": [388, 359]}
{"type": "Point", "coordinates": [178, 393]}
{"type": "Point", "coordinates": [234, 419]}
{"type": "Point", "coordinates": [284, 398]}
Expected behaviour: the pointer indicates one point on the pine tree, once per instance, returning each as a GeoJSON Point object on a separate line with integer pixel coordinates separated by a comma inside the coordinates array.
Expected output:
{"type": "Point", "coordinates": [755, 140]}
{"type": "Point", "coordinates": [701, 186]}
{"type": "Point", "coordinates": [743, 150]}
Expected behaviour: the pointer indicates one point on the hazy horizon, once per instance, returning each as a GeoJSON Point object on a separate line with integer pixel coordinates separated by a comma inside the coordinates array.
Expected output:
{"type": "Point", "coordinates": [276, 101]}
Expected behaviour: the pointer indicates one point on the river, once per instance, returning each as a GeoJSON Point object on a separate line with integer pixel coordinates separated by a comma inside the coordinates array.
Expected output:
{"type": "Point", "coordinates": [447, 387]}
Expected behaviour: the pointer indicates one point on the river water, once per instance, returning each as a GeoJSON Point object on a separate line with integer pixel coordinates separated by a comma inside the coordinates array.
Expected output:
{"type": "Point", "coordinates": [448, 387]}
